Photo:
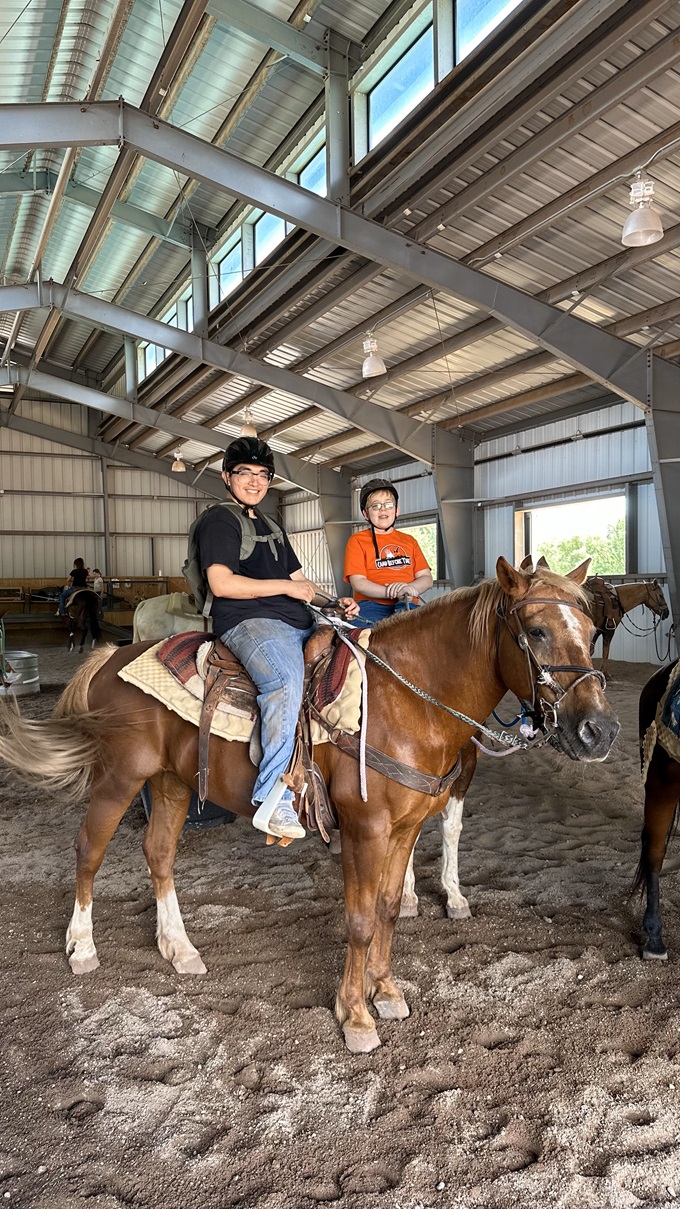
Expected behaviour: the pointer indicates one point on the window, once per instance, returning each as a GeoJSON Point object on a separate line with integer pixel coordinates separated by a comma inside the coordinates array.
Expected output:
{"type": "Point", "coordinates": [269, 231]}
{"type": "Point", "coordinates": [313, 175]}
{"type": "Point", "coordinates": [476, 19]}
{"type": "Point", "coordinates": [427, 537]}
{"type": "Point", "coordinates": [401, 88]}
{"type": "Point", "coordinates": [566, 534]}
{"type": "Point", "coordinates": [230, 270]}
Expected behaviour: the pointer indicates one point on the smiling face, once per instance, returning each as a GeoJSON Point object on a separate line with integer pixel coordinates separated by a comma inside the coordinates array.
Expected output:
{"type": "Point", "coordinates": [381, 510]}
{"type": "Point", "coordinates": [247, 482]}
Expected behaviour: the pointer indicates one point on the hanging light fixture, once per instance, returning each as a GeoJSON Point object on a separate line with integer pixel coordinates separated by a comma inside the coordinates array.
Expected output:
{"type": "Point", "coordinates": [373, 365]}
{"type": "Point", "coordinates": [178, 465]}
{"type": "Point", "coordinates": [248, 429]}
{"type": "Point", "coordinates": [644, 225]}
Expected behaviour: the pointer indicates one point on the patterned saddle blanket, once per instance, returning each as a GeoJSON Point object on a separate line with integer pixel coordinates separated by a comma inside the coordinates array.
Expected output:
{"type": "Point", "coordinates": [173, 671]}
{"type": "Point", "coordinates": [665, 729]}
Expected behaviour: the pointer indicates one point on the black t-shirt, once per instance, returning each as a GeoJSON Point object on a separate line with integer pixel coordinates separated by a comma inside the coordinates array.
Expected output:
{"type": "Point", "coordinates": [78, 577]}
{"type": "Point", "coordinates": [219, 541]}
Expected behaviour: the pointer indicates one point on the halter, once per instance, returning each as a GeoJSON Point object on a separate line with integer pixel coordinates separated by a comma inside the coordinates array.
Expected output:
{"type": "Point", "coordinates": [547, 718]}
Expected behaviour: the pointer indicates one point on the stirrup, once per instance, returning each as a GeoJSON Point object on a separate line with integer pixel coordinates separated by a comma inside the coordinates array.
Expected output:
{"type": "Point", "coordinates": [266, 809]}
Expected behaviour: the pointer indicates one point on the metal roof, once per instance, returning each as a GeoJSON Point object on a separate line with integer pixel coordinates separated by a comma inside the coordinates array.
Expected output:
{"type": "Point", "coordinates": [517, 164]}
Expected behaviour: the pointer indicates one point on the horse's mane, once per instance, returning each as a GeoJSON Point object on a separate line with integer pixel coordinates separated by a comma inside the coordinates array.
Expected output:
{"type": "Point", "coordinates": [488, 594]}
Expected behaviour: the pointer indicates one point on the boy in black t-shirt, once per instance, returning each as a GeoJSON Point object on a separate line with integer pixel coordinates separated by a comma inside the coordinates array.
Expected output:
{"type": "Point", "coordinates": [259, 612]}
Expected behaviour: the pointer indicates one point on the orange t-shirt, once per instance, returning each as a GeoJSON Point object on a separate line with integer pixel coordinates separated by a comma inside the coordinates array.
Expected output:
{"type": "Point", "coordinates": [401, 558]}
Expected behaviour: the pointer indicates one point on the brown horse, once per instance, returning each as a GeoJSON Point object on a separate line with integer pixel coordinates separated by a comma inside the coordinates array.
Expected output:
{"type": "Point", "coordinates": [623, 598]}
{"type": "Point", "coordinates": [662, 801]}
{"type": "Point", "coordinates": [626, 597]}
{"type": "Point", "coordinates": [523, 632]}
{"type": "Point", "coordinates": [82, 612]}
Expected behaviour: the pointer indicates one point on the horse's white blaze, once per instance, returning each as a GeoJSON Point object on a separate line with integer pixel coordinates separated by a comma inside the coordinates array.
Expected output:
{"type": "Point", "coordinates": [173, 942]}
{"type": "Point", "coordinates": [452, 825]}
{"type": "Point", "coordinates": [79, 938]}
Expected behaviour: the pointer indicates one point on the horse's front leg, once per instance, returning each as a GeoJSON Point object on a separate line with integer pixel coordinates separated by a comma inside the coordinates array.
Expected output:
{"type": "Point", "coordinates": [364, 845]}
{"type": "Point", "coordinates": [662, 789]}
{"type": "Point", "coordinates": [457, 906]}
{"type": "Point", "coordinates": [170, 803]}
{"type": "Point", "coordinates": [387, 996]}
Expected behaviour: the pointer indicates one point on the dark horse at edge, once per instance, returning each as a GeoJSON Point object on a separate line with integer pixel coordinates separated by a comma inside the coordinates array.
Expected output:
{"type": "Point", "coordinates": [82, 614]}
{"type": "Point", "coordinates": [662, 804]}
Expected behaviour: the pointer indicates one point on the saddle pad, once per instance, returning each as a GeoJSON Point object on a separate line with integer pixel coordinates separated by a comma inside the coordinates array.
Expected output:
{"type": "Point", "coordinates": [665, 729]}
{"type": "Point", "coordinates": [147, 673]}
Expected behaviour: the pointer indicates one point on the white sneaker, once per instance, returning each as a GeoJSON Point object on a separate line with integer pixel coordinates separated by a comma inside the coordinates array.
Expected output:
{"type": "Point", "coordinates": [285, 823]}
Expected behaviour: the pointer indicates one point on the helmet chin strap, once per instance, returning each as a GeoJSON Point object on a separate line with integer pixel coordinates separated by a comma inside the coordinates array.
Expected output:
{"type": "Point", "coordinates": [375, 540]}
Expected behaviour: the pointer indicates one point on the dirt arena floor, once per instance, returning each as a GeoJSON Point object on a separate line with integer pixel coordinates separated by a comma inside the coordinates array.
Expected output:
{"type": "Point", "coordinates": [540, 1066]}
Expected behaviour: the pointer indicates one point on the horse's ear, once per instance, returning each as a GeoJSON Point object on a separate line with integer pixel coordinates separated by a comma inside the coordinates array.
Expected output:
{"type": "Point", "coordinates": [514, 583]}
{"type": "Point", "coordinates": [579, 573]}
{"type": "Point", "coordinates": [543, 564]}
{"type": "Point", "coordinates": [527, 564]}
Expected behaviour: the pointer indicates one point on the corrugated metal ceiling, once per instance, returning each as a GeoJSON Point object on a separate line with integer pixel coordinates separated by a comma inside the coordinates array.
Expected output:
{"type": "Point", "coordinates": [536, 213]}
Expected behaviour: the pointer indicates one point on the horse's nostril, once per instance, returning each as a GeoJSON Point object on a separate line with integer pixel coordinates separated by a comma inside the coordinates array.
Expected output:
{"type": "Point", "coordinates": [590, 733]}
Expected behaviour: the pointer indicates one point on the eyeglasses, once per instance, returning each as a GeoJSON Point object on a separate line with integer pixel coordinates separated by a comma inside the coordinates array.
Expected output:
{"type": "Point", "coordinates": [381, 507]}
{"type": "Point", "coordinates": [260, 476]}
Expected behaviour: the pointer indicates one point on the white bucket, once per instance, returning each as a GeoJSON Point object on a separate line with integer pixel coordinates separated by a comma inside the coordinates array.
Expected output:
{"type": "Point", "coordinates": [25, 663]}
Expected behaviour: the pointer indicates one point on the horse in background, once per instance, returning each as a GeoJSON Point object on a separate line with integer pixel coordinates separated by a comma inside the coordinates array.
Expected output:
{"type": "Point", "coordinates": [82, 614]}
{"type": "Point", "coordinates": [515, 633]}
{"type": "Point", "coordinates": [608, 606]}
{"type": "Point", "coordinates": [162, 616]}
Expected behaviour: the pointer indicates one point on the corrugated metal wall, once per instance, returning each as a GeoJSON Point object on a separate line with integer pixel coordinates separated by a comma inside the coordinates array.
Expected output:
{"type": "Point", "coordinates": [303, 523]}
{"type": "Point", "coordinates": [529, 475]}
{"type": "Point", "coordinates": [52, 506]}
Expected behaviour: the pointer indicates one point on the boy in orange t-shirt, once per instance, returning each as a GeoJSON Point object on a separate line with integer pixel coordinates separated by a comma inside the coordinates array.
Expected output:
{"type": "Point", "coordinates": [386, 569]}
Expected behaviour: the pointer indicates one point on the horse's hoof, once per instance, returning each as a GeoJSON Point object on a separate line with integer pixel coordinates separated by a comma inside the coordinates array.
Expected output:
{"type": "Point", "coordinates": [459, 912]}
{"type": "Point", "coordinates": [360, 1040]}
{"type": "Point", "coordinates": [391, 1009]}
{"type": "Point", "coordinates": [649, 954]}
{"type": "Point", "coordinates": [83, 965]}
{"type": "Point", "coordinates": [408, 910]}
{"type": "Point", "coordinates": [190, 965]}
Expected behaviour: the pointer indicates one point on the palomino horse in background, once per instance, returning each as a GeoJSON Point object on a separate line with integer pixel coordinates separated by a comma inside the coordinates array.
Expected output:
{"type": "Point", "coordinates": [606, 618]}
{"type": "Point", "coordinates": [162, 616]}
{"type": "Point", "coordinates": [524, 633]}
{"type": "Point", "coordinates": [82, 612]}
{"type": "Point", "coordinates": [609, 613]}
{"type": "Point", "coordinates": [662, 802]}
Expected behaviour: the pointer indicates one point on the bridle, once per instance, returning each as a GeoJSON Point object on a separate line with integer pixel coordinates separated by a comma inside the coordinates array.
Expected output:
{"type": "Point", "coordinates": [547, 719]}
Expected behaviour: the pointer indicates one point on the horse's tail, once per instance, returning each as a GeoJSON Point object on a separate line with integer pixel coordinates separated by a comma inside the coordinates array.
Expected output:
{"type": "Point", "coordinates": [58, 754]}
{"type": "Point", "coordinates": [93, 606]}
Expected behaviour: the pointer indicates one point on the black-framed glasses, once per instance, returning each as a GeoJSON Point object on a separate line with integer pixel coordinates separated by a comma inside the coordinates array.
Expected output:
{"type": "Point", "coordinates": [260, 476]}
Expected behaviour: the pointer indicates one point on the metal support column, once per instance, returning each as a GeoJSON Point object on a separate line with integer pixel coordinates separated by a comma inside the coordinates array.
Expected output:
{"type": "Point", "coordinates": [632, 527]}
{"type": "Point", "coordinates": [199, 285]}
{"type": "Point", "coordinates": [338, 150]}
{"type": "Point", "coordinates": [335, 503]}
{"type": "Point", "coordinates": [663, 433]}
{"type": "Point", "coordinates": [107, 526]}
{"type": "Point", "coordinates": [453, 471]}
{"type": "Point", "coordinates": [131, 377]}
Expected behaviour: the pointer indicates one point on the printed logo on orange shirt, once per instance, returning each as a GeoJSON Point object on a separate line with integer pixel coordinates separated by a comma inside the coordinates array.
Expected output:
{"type": "Point", "coordinates": [393, 556]}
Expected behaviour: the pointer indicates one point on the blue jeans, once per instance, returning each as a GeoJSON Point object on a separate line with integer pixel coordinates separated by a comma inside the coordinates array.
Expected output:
{"type": "Point", "coordinates": [63, 595]}
{"type": "Point", "coordinates": [271, 653]}
{"type": "Point", "coordinates": [375, 610]}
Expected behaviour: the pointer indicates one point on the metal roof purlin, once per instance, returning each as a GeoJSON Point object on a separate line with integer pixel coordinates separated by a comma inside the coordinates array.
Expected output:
{"type": "Point", "coordinates": [610, 360]}
{"type": "Point", "coordinates": [279, 35]}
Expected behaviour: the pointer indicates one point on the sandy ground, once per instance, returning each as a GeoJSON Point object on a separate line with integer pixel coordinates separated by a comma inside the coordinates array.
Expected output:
{"type": "Point", "coordinates": [540, 1066]}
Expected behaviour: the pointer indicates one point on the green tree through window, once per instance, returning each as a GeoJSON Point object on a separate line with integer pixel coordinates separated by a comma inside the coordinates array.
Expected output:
{"type": "Point", "coordinates": [608, 553]}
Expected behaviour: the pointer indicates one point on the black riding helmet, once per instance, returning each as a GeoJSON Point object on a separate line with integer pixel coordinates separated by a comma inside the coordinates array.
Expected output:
{"type": "Point", "coordinates": [377, 485]}
{"type": "Point", "coordinates": [249, 451]}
